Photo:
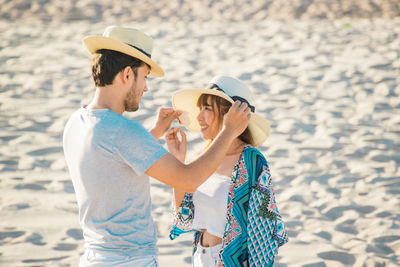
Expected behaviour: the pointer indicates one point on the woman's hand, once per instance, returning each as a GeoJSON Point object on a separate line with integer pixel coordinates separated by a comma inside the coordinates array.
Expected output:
{"type": "Point", "coordinates": [237, 118]}
{"type": "Point", "coordinates": [175, 146]}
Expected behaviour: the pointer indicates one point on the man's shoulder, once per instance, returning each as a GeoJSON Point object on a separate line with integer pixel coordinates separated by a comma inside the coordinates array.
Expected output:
{"type": "Point", "coordinates": [130, 128]}
{"type": "Point", "coordinates": [76, 113]}
{"type": "Point", "coordinates": [130, 124]}
{"type": "Point", "coordinates": [72, 118]}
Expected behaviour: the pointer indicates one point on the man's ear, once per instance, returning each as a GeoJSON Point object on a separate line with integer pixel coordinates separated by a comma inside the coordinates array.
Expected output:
{"type": "Point", "coordinates": [127, 74]}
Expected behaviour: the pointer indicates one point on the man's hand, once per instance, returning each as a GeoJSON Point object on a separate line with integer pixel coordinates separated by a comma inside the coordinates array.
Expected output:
{"type": "Point", "coordinates": [175, 146]}
{"type": "Point", "coordinates": [237, 118]}
{"type": "Point", "coordinates": [164, 119]}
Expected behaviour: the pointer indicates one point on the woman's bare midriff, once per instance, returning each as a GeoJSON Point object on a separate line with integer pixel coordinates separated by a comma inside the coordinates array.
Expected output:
{"type": "Point", "coordinates": [209, 240]}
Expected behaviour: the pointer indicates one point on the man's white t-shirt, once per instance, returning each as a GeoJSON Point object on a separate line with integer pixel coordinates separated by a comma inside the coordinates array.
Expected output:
{"type": "Point", "coordinates": [107, 155]}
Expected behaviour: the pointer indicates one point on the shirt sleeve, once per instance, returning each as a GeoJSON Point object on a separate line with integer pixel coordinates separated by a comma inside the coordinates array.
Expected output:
{"type": "Point", "coordinates": [137, 147]}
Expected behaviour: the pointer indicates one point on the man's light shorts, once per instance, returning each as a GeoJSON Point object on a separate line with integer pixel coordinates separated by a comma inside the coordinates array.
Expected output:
{"type": "Point", "coordinates": [99, 259]}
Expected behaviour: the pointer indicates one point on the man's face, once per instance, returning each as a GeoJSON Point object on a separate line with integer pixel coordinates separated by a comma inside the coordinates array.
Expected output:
{"type": "Point", "coordinates": [137, 89]}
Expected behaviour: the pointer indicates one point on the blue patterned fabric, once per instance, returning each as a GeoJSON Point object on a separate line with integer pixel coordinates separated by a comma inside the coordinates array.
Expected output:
{"type": "Point", "coordinates": [263, 214]}
{"type": "Point", "coordinates": [254, 229]}
{"type": "Point", "coordinates": [183, 218]}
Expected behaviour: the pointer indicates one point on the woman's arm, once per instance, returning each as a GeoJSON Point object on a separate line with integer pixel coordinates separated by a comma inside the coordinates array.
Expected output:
{"type": "Point", "coordinates": [183, 209]}
{"type": "Point", "coordinates": [177, 148]}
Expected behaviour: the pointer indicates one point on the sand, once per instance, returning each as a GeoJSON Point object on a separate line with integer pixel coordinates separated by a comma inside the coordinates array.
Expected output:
{"type": "Point", "coordinates": [329, 87]}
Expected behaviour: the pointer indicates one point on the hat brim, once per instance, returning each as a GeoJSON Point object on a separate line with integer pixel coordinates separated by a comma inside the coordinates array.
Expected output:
{"type": "Point", "coordinates": [186, 101]}
{"type": "Point", "coordinates": [94, 43]}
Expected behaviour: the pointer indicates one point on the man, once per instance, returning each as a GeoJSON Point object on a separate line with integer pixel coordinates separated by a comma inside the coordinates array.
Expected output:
{"type": "Point", "coordinates": [108, 155]}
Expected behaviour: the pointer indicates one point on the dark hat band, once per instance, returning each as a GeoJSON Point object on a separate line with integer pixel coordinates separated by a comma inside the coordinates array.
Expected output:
{"type": "Point", "coordinates": [141, 50]}
{"type": "Point", "coordinates": [213, 86]}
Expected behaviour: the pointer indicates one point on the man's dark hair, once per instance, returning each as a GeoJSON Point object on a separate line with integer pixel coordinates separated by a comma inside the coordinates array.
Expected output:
{"type": "Point", "coordinates": [106, 64]}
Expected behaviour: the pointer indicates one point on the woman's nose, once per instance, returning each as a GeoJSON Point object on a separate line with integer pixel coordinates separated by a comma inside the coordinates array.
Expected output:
{"type": "Point", "coordinates": [200, 116]}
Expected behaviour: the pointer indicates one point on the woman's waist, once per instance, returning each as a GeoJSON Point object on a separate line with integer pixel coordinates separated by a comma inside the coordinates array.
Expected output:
{"type": "Point", "coordinates": [209, 240]}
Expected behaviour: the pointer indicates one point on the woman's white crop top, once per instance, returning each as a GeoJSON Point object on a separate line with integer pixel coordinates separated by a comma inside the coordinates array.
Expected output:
{"type": "Point", "coordinates": [210, 204]}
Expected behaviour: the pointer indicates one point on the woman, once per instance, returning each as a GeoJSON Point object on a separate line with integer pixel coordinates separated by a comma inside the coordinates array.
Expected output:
{"type": "Point", "coordinates": [233, 213]}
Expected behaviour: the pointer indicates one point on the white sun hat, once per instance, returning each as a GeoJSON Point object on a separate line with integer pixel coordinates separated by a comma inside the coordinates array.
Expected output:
{"type": "Point", "coordinates": [228, 88]}
{"type": "Point", "coordinates": [129, 41]}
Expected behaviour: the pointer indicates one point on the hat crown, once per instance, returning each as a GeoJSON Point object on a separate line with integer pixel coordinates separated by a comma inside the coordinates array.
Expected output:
{"type": "Point", "coordinates": [233, 87]}
{"type": "Point", "coordinates": [130, 36]}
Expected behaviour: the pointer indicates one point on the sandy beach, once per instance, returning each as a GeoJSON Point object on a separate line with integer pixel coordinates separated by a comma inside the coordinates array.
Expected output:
{"type": "Point", "coordinates": [326, 75]}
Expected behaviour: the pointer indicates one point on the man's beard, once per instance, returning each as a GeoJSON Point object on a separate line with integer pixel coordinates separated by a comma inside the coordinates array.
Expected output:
{"type": "Point", "coordinates": [130, 100]}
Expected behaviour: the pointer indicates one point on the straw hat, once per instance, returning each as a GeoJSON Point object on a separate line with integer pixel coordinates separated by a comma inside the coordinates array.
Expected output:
{"type": "Point", "coordinates": [129, 41]}
{"type": "Point", "coordinates": [228, 88]}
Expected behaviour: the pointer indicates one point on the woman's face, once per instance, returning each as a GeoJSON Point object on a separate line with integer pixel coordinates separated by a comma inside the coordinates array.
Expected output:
{"type": "Point", "coordinates": [208, 120]}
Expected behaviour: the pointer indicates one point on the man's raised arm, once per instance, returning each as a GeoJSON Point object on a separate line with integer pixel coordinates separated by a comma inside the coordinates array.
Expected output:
{"type": "Point", "coordinates": [188, 177]}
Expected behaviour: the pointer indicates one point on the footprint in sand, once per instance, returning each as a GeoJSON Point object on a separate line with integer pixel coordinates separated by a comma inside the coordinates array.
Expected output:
{"type": "Point", "coordinates": [343, 257]}
{"type": "Point", "coordinates": [347, 227]}
{"type": "Point", "coordinates": [44, 260]}
{"type": "Point", "coordinates": [11, 234]}
{"type": "Point", "coordinates": [45, 151]}
{"type": "Point", "coordinates": [75, 233]}
{"type": "Point", "coordinates": [30, 187]}
{"type": "Point", "coordinates": [324, 235]}
{"type": "Point", "coordinates": [383, 214]}
{"type": "Point", "coordinates": [68, 187]}
{"type": "Point", "coordinates": [7, 138]}
{"type": "Point", "coordinates": [9, 163]}
{"type": "Point", "coordinates": [382, 244]}
{"type": "Point", "coordinates": [336, 212]}
{"type": "Point", "coordinates": [18, 206]}
{"type": "Point", "coordinates": [65, 246]}
{"type": "Point", "coordinates": [316, 264]}
{"type": "Point", "coordinates": [35, 239]}
{"type": "Point", "coordinates": [387, 239]}
{"type": "Point", "coordinates": [380, 249]}
{"type": "Point", "coordinates": [292, 233]}
{"type": "Point", "coordinates": [188, 260]}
